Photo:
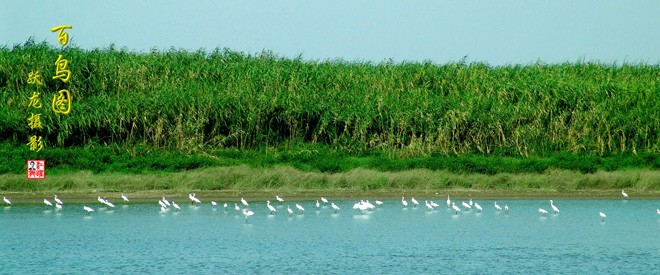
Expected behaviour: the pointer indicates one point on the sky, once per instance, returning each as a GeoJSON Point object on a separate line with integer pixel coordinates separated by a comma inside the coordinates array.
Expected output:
{"type": "Point", "coordinates": [494, 32]}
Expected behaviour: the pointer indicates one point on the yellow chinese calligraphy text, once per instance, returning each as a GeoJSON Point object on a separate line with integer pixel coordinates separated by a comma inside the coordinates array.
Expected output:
{"type": "Point", "coordinates": [62, 103]}
{"type": "Point", "coordinates": [35, 143]}
{"type": "Point", "coordinates": [61, 71]}
{"type": "Point", "coordinates": [62, 37]}
{"type": "Point", "coordinates": [34, 77]}
{"type": "Point", "coordinates": [35, 121]}
{"type": "Point", "coordinates": [35, 101]}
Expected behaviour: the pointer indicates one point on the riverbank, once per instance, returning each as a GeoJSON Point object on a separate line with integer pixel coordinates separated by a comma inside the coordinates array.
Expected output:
{"type": "Point", "coordinates": [261, 183]}
{"type": "Point", "coordinates": [233, 196]}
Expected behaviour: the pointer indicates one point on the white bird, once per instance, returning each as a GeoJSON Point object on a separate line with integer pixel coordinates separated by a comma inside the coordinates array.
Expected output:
{"type": "Point", "coordinates": [7, 201]}
{"type": "Point", "coordinates": [237, 207]}
{"type": "Point", "coordinates": [88, 209]}
{"type": "Point", "coordinates": [448, 202]}
{"type": "Point", "coordinates": [467, 206]}
{"type": "Point", "coordinates": [300, 207]}
{"type": "Point", "coordinates": [279, 199]}
{"type": "Point", "coordinates": [162, 204]}
{"type": "Point", "coordinates": [429, 206]}
{"type": "Point", "coordinates": [478, 207]}
{"type": "Point", "coordinates": [658, 210]}
{"type": "Point", "coordinates": [244, 202]}
{"type": "Point", "coordinates": [506, 208]}
{"type": "Point", "coordinates": [57, 200]}
{"type": "Point", "coordinates": [324, 200]}
{"type": "Point", "coordinates": [166, 202]}
{"type": "Point", "coordinates": [101, 200]}
{"type": "Point", "coordinates": [193, 198]}
{"type": "Point", "coordinates": [404, 202]}
{"type": "Point", "coordinates": [58, 206]}
{"type": "Point", "coordinates": [108, 203]}
{"type": "Point", "coordinates": [435, 205]}
{"type": "Point", "coordinates": [337, 207]}
{"type": "Point", "coordinates": [124, 197]}
{"type": "Point", "coordinates": [498, 207]}
{"type": "Point", "coordinates": [47, 202]}
{"type": "Point", "coordinates": [602, 215]}
{"type": "Point", "coordinates": [368, 204]}
{"type": "Point", "coordinates": [214, 203]}
{"type": "Point", "coordinates": [453, 205]}
{"type": "Point", "coordinates": [247, 213]}
{"type": "Point", "coordinates": [624, 194]}
{"type": "Point", "coordinates": [175, 205]}
{"type": "Point", "coordinates": [379, 203]}
{"type": "Point", "coordinates": [317, 204]}
{"type": "Point", "coordinates": [271, 208]}
{"type": "Point", "coordinates": [288, 209]}
{"type": "Point", "coordinates": [542, 211]}
{"type": "Point", "coordinates": [470, 202]}
{"type": "Point", "coordinates": [554, 208]}
{"type": "Point", "coordinates": [414, 201]}
{"type": "Point", "coordinates": [360, 206]}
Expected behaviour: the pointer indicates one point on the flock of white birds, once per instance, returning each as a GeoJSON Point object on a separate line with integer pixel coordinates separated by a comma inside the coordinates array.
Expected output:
{"type": "Point", "coordinates": [362, 205]}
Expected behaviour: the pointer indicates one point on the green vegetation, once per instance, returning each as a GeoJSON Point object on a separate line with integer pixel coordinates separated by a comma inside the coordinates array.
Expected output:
{"type": "Point", "coordinates": [197, 102]}
{"type": "Point", "coordinates": [164, 119]}
{"type": "Point", "coordinates": [145, 161]}
{"type": "Point", "coordinates": [290, 179]}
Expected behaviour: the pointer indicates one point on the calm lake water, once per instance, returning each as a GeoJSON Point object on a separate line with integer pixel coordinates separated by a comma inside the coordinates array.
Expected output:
{"type": "Point", "coordinates": [392, 239]}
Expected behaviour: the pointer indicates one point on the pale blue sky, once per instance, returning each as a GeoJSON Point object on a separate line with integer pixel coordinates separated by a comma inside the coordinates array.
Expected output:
{"type": "Point", "coordinates": [497, 32]}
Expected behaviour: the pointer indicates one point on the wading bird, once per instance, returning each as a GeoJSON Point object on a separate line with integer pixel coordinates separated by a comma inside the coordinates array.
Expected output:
{"type": "Point", "coordinates": [624, 194]}
{"type": "Point", "coordinates": [379, 203]}
{"type": "Point", "coordinates": [429, 206]}
{"type": "Point", "coordinates": [247, 214]}
{"type": "Point", "coordinates": [506, 209]}
{"type": "Point", "coordinates": [288, 209]}
{"type": "Point", "coordinates": [317, 204]}
{"type": "Point", "coordinates": [404, 202]}
{"type": "Point", "coordinates": [478, 207]}
{"type": "Point", "coordinates": [214, 203]}
{"type": "Point", "coordinates": [453, 205]}
{"type": "Point", "coordinates": [47, 202]}
{"type": "Point", "coordinates": [7, 201]}
{"type": "Point", "coordinates": [602, 215]}
{"type": "Point", "coordinates": [57, 200]}
{"type": "Point", "coordinates": [435, 205]}
{"type": "Point", "coordinates": [176, 205]}
{"type": "Point", "coordinates": [271, 208]}
{"type": "Point", "coordinates": [58, 206]}
{"type": "Point", "coordinates": [324, 200]}
{"type": "Point", "coordinates": [414, 201]}
{"type": "Point", "coordinates": [335, 207]}
{"type": "Point", "coordinates": [124, 197]}
{"type": "Point", "coordinates": [554, 208]}
{"type": "Point", "coordinates": [244, 202]}
{"type": "Point", "coordinates": [467, 206]}
{"type": "Point", "coordinates": [542, 211]}
{"type": "Point", "coordinates": [279, 199]}
{"type": "Point", "coordinates": [300, 207]}
{"type": "Point", "coordinates": [498, 207]}
{"type": "Point", "coordinates": [88, 209]}
{"type": "Point", "coordinates": [448, 202]}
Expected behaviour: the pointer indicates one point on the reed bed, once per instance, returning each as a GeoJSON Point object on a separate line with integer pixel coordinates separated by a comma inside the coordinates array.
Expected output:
{"type": "Point", "coordinates": [197, 102]}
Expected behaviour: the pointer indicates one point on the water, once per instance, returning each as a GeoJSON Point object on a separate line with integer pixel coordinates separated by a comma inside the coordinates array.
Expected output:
{"type": "Point", "coordinates": [391, 239]}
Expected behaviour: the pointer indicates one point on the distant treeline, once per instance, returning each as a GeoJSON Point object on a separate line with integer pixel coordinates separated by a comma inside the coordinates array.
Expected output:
{"type": "Point", "coordinates": [200, 101]}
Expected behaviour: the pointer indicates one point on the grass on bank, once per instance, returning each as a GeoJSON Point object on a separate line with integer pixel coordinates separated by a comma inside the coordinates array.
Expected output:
{"type": "Point", "coordinates": [143, 160]}
{"type": "Point", "coordinates": [288, 178]}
